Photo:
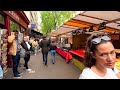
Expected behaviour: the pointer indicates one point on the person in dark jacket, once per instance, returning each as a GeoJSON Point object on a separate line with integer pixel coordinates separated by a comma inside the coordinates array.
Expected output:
{"type": "Point", "coordinates": [26, 45]}
{"type": "Point", "coordinates": [44, 44]}
{"type": "Point", "coordinates": [53, 50]}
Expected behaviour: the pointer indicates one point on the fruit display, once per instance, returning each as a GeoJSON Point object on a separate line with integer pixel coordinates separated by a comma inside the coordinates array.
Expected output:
{"type": "Point", "coordinates": [117, 63]}
{"type": "Point", "coordinates": [3, 49]}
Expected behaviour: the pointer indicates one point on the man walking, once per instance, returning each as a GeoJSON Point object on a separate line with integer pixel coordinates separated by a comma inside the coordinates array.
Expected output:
{"type": "Point", "coordinates": [44, 44]}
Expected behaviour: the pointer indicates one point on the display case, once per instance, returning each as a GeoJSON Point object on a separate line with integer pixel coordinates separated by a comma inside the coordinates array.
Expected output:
{"type": "Point", "coordinates": [3, 49]}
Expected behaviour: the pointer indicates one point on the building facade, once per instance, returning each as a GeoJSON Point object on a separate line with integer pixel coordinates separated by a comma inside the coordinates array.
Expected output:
{"type": "Point", "coordinates": [34, 17]}
{"type": "Point", "coordinates": [11, 21]}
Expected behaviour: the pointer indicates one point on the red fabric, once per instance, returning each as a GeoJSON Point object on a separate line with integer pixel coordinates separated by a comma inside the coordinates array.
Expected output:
{"type": "Point", "coordinates": [65, 54]}
{"type": "Point", "coordinates": [79, 52]}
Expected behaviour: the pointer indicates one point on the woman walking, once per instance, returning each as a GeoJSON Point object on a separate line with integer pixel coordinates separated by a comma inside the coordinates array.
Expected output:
{"type": "Point", "coordinates": [53, 50]}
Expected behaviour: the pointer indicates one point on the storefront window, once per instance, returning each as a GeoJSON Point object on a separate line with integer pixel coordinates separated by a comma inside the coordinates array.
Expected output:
{"type": "Point", "coordinates": [1, 18]}
{"type": "Point", "coordinates": [23, 29]}
{"type": "Point", "coordinates": [14, 26]}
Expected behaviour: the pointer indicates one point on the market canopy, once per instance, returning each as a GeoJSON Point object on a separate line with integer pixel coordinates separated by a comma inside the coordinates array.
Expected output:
{"type": "Point", "coordinates": [92, 18]}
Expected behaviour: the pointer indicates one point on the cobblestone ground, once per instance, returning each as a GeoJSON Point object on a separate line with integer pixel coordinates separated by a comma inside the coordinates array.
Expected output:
{"type": "Point", "coordinates": [59, 70]}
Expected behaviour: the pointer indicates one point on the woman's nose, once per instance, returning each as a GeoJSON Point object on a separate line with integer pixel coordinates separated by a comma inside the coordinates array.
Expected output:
{"type": "Point", "coordinates": [110, 58]}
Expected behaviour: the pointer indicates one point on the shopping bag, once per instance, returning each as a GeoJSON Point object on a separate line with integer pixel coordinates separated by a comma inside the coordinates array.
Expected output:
{"type": "Point", "coordinates": [22, 53]}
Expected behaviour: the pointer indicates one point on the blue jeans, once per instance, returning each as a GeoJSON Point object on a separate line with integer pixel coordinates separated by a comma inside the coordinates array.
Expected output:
{"type": "Point", "coordinates": [52, 52]}
{"type": "Point", "coordinates": [16, 60]}
{"type": "Point", "coordinates": [45, 57]}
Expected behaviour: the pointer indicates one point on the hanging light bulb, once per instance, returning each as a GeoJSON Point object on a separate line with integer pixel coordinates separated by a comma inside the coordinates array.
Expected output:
{"type": "Point", "coordinates": [84, 30]}
{"type": "Point", "coordinates": [102, 26]}
{"type": "Point", "coordinates": [91, 29]}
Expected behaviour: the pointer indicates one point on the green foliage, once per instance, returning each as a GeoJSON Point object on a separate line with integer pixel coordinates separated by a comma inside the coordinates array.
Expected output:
{"type": "Point", "coordinates": [51, 20]}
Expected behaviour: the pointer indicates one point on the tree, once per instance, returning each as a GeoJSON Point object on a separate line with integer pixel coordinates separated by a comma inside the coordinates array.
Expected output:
{"type": "Point", "coordinates": [52, 20]}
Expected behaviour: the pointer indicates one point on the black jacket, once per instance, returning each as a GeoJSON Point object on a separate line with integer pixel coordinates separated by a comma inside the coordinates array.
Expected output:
{"type": "Point", "coordinates": [52, 47]}
{"type": "Point", "coordinates": [24, 45]}
{"type": "Point", "coordinates": [44, 44]}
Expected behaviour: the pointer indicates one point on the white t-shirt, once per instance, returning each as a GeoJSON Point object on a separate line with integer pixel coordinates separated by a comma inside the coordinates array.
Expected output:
{"type": "Point", "coordinates": [87, 73]}
{"type": "Point", "coordinates": [28, 45]}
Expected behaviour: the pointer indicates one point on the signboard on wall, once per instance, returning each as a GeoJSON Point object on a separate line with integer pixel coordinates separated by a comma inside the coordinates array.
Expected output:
{"type": "Point", "coordinates": [33, 25]}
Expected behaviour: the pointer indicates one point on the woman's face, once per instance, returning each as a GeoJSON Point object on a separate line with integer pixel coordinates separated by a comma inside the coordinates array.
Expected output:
{"type": "Point", "coordinates": [105, 55]}
{"type": "Point", "coordinates": [25, 39]}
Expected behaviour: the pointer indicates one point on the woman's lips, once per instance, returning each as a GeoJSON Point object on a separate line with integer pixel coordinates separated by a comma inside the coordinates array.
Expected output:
{"type": "Point", "coordinates": [110, 64]}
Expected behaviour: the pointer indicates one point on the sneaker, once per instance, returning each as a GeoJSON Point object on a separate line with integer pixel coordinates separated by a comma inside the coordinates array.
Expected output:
{"type": "Point", "coordinates": [20, 73]}
{"type": "Point", "coordinates": [28, 69]}
{"type": "Point", "coordinates": [46, 65]}
{"type": "Point", "coordinates": [17, 76]}
{"type": "Point", "coordinates": [32, 71]}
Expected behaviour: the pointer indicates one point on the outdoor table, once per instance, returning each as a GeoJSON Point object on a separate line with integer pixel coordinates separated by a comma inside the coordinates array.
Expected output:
{"type": "Point", "coordinates": [78, 52]}
{"type": "Point", "coordinates": [65, 54]}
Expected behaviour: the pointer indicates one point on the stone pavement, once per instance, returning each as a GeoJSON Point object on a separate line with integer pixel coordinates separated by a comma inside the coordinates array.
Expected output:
{"type": "Point", "coordinates": [59, 70]}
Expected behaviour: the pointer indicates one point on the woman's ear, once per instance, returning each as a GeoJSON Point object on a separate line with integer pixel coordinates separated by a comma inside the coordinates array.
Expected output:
{"type": "Point", "coordinates": [92, 54]}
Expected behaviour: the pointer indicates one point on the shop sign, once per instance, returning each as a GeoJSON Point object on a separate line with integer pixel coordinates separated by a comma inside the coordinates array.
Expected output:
{"type": "Point", "coordinates": [14, 15]}
{"type": "Point", "coordinates": [33, 25]}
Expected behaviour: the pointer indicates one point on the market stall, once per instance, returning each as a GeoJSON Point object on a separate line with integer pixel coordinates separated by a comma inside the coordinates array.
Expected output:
{"type": "Point", "coordinates": [64, 53]}
{"type": "Point", "coordinates": [86, 23]}
{"type": "Point", "coordinates": [64, 45]}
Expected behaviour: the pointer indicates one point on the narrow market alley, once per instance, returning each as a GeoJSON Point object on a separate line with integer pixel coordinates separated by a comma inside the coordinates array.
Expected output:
{"type": "Point", "coordinates": [59, 70]}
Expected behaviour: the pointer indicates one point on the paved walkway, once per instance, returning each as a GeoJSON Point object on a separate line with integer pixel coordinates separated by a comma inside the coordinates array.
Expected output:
{"type": "Point", "coordinates": [59, 70]}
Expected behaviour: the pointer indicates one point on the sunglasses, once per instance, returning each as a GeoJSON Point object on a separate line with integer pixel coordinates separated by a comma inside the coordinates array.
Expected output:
{"type": "Point", "coordinates": [99, 39]}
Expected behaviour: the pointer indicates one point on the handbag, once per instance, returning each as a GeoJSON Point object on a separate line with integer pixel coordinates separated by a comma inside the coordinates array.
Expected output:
{"type": "Point", "coordinates": [22, 52]}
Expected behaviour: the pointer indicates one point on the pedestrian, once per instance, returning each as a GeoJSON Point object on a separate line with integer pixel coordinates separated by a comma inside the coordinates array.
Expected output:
{"type": "Point", "coordinates": [35, 46]}
{"type": "Point", "coordinates": [44, 44]}
{"type": "Point", "coordinates": [100, 58]}
{"type": "Point", "coordinates": [39, 41]}
{"type": "Point", "coordinates": [1, 72]}
{"type": "Point", "coordinates": [31, 41]}
{"type": "Point", "coordinates": [14, 52]}
{"type": "Point", "coordinates": [1, 69]}
{"type": "Point", "coordinates": [26, 45]}
{"type": "Point", "coordinates": [53, 50]}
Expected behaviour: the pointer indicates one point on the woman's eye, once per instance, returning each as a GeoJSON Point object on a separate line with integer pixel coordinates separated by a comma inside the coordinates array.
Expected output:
{"type": "Point", "coordinates": [104, 54]}
{"type": "Point", "coordinates": [112, 52]}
